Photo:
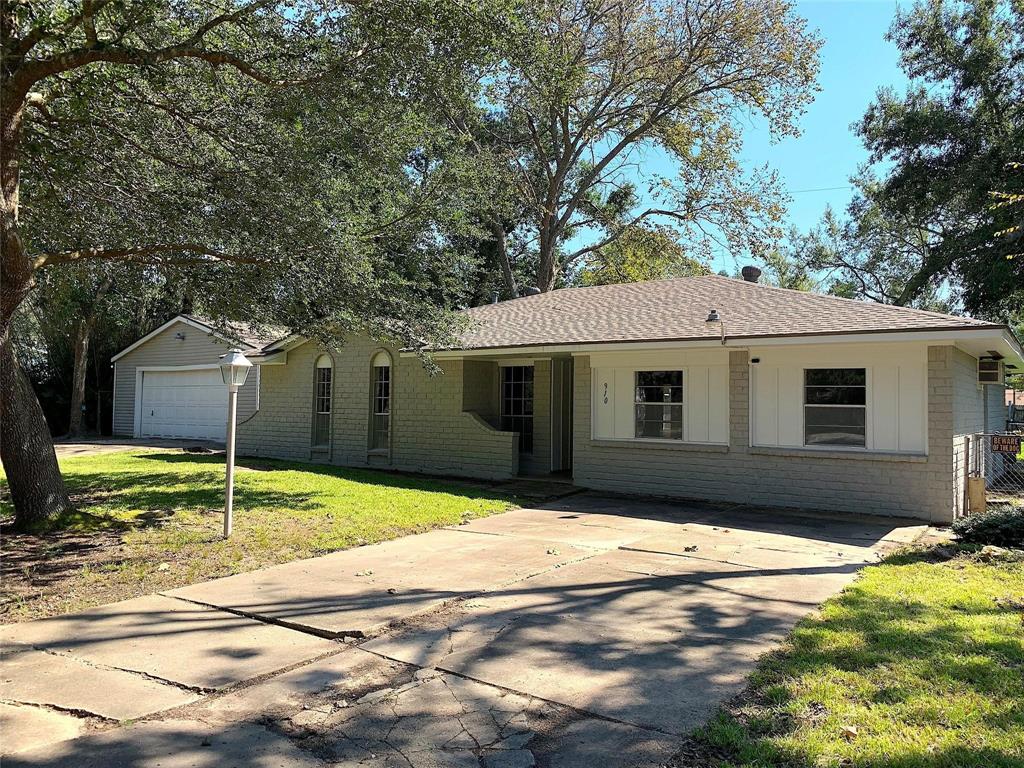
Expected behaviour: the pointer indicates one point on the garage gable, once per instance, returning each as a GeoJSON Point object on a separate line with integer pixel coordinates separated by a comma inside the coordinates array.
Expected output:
{"type": "Point", "coordinates": [167, 384]}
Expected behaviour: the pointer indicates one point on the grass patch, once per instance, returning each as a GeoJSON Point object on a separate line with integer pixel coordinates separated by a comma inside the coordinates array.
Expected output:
{"type": "Point", "coordinates": [918, 664]}
{"type": "Point", "coordinates": [151, 520]}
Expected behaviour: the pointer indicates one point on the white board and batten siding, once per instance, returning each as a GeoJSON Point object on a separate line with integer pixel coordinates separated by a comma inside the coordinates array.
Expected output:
{"type": "Point", "coordinates": [171, 387]}
{"type": "Point", "coordinates": [705, 392]}
{"type": "Point", "coordinates": [897, 393]}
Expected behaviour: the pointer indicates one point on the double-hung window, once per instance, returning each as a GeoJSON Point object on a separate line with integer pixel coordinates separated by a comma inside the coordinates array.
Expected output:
{"type": "Point", "coordinates": [322, 402]}
{"type": "Point", "coordinates": [658, 405]}
{"type": "Point", "coordinates": [517, 403]}
{"type": "Point", "coordinates": [835, 407]}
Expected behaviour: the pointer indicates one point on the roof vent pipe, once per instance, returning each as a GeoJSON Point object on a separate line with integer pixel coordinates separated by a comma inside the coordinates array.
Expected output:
{"type": "Point", "coordinates": [751, 273]}
{"type": "Point", "coordinates": [531, 291]}
{"type": "Point", "coordinates": [494, 298]}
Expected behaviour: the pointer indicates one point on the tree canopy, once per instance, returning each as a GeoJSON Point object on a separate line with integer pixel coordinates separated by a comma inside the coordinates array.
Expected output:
{"type": "Point", "coordinates": [283, 160]}
{"type": "Point", "coordinates": [592, 89]}
{"type": "Point", "coordinates": [934, 218]}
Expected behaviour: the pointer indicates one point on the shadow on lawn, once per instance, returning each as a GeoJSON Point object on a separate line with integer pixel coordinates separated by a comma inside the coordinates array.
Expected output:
{"type": "Point", "coordinates": [880, 635]}
{"type": "Point", "coordinates": [162, 489]}
{"type": "Point", "coordinates": [456, 487]}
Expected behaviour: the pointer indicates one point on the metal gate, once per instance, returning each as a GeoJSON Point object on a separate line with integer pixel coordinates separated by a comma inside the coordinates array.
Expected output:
{"type": "Point", "coordinates": [995, 464]}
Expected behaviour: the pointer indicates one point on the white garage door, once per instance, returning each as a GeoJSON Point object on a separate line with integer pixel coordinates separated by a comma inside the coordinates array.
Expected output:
{"type": "Point", "coordinates": [184, 404]}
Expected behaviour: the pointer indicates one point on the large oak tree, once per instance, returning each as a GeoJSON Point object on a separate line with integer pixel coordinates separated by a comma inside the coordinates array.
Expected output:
{"type": "Point", "coordinates": [280, 158]}
{"type": "Point", "coordinates": [933, 219]}
{"type": "Point", "coordinates": [597, 95]}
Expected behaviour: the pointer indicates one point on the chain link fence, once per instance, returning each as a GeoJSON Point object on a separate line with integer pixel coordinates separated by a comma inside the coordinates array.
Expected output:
{"type": "Point", "coordinates": [995, 464]}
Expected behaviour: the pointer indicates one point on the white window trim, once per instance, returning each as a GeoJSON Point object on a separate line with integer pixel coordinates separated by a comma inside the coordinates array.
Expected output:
{"type": "Point", "coordinates": [633, 369]}
{"type": "Point", "coordinates": [869, 437]}
{"type": "Point", "coordinates": [683, 438]}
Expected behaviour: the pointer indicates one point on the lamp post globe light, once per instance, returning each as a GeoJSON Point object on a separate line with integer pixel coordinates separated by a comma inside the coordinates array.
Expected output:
{"type": "Point", "coordinates": [234, 368]}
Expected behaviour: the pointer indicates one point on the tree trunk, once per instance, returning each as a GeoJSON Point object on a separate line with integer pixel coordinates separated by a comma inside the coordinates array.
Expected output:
{"type": "Point", "coordinates": [501, 252]}
{"type": "Point", "coordinates": [82, 336]}
{"type": "Point", "coordinates": [547, 270]}
{"type": "Point", "coordinates": [26, 448]}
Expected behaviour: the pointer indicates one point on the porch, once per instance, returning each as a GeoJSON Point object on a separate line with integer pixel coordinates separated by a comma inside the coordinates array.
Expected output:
{"type": "Point", "coordinates": [531, 397]}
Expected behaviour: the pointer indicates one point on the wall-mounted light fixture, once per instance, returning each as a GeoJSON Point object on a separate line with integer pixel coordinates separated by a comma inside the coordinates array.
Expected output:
{"type": "Point", "coordinates": [716, 319]}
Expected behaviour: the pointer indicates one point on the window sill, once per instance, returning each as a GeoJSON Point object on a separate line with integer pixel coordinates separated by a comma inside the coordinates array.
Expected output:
{"type": "Point", "coordinates": [856, 454]}
{"type": "Point", "coordinates": [660, 445]}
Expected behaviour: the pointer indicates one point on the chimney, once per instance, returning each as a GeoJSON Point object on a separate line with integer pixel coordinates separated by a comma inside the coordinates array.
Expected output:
{"type": "Point", "coordinates": [494, 298]}
{"type": "Point", "coordinates": [750, 273]}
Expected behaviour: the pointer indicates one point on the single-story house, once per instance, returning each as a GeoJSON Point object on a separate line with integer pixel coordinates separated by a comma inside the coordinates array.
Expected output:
{"type": "Point", "coordinates": [704, 387]}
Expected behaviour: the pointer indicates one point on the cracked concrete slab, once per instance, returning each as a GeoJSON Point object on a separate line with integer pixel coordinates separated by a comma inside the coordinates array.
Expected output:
{"type": "Point", "coordinates": [36, 677]}
{"type": "Point", "coordinates": [594, 631]}
{"type": "Point", "coordinates": [654, 635]}
{"type": "Point", "coordinates": [27, 727]}
{"type": "Point", "coordinates": [360, 591]}
{"type": "Point", "coordinates": [171, 640]}
{"type": "Point", "coordinates": [172, 744]}
{"type": "Point", "coordinates": [332, 678]}
{"type": "Point", "coordinates": [581, 528]}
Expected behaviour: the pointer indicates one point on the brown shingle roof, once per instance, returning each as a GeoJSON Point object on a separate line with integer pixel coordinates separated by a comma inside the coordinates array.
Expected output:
{"type": "Point", "coordinates": [248, 334]}
{"type": "Point", "coordinates": [677, 309]}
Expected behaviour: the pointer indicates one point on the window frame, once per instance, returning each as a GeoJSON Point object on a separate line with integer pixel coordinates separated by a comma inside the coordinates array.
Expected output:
{"type": "Point", "coordinates": [865, 407]}
{"type": "Point", "coordinates": [375, 414]}
{"type": "Point", "coordinates": [511, 422]}
{"type": "Point", "coordinates": [681, 404]}
{"type": "Point", "coordinates": [318, 428]}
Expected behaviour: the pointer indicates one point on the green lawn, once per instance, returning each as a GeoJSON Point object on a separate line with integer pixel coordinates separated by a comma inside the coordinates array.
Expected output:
{"type": "Point", "coordinates": [152, 520]}
{"type": "Point", "coordinates": [924, 659]}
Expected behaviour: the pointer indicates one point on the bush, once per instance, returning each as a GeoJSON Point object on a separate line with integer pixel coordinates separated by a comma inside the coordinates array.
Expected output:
{"type": "Point", "coordinates": [1002, 527]}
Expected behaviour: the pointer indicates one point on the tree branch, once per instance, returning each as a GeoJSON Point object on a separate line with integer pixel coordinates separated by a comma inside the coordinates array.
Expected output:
{"type": "Point", "coordinates": [144, 254]}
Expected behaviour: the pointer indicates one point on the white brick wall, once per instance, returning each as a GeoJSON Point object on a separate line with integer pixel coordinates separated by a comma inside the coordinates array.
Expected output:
{"type": "Point", "coordinates": [430, 431]}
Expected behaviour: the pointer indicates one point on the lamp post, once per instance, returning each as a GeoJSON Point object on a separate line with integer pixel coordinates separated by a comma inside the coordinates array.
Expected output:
{"type": "Point", "coordinates": [234, 368]}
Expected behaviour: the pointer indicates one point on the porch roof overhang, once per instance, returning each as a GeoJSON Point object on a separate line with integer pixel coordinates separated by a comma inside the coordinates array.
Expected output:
{"type": "Point", "coordinates": [983, 341]}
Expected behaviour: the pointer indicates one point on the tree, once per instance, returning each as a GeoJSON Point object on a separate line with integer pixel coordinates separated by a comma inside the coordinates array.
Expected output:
{"type": "Point", "coordinates": [279, 158]}
{"type": "Point", "coordinates": [923, 223]}
{"type": "Point", "coordinates": [870, 255]}
{"type": "Point", "coordinates": [786, 265]}
{"type": "Point", "coordinates": [593, 87]}
{"type": "Point", "coordinates": [643, 253]}
{"type": "Point", "coordinates": [74, 319]}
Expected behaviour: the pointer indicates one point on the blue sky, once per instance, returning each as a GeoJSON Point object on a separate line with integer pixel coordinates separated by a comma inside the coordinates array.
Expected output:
{"type": "Point", "coordinates": [855, 61]}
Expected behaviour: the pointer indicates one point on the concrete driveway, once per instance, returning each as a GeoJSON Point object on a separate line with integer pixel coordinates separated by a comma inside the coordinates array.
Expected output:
{"type": "Point", "coordinates": [592, 631]}
{"type": "Point", "coordinates": [99, 445]}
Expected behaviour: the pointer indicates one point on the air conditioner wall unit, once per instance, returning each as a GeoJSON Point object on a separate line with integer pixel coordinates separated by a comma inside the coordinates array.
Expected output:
{"type": "Point", "coordinates": [990, 371]}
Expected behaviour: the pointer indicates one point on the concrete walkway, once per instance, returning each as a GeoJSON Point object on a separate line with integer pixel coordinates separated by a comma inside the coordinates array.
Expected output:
{"type": "Point", "coordinates": [591, 631]}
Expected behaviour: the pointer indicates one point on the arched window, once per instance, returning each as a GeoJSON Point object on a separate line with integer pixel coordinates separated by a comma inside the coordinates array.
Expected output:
{"type": "Point", "coordinates": [380, 402]}
{"type": "Point", "coordinates": [322, 389]}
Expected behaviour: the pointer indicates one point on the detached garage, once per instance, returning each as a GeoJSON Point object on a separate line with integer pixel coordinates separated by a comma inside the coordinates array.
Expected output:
{"type": "Point", "coordinates": [167, 384]}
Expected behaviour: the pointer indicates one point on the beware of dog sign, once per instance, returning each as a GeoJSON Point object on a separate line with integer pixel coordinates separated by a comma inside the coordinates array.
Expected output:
{"type": "Point", "coordinates": [1006, 444]}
